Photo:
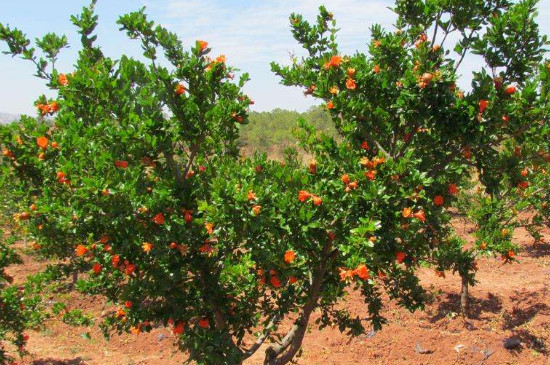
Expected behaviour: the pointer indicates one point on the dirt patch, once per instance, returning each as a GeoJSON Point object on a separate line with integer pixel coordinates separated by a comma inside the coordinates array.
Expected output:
{"type": "Point", "coordinates": [510, 305]}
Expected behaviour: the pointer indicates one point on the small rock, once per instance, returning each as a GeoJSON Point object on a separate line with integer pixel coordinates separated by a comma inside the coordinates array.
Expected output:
{"type": "Point", "coordinates": [457, 348]}
{"type": "Point", "coordinates": [160, 337]}
{"type": "Point", "coordinates": [487, 353]}
{"type": "Point", "coordinates": [422, 350]}
{"type": "Point", "coordinates": [512, 343]}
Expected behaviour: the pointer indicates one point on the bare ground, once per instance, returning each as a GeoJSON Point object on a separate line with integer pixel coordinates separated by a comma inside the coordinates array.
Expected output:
{"type": "Point", "coordinates": [510, 302]}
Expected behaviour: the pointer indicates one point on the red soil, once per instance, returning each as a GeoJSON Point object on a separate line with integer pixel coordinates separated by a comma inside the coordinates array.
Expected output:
{"type": "Point", "coordinates": [510, 301]}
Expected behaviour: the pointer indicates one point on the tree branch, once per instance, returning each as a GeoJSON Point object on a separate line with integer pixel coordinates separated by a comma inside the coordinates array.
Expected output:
{"type": "Point", "coordinates": [264, 336]}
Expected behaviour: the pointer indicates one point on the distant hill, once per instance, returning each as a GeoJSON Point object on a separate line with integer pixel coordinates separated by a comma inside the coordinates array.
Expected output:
{"type": "Point", "coordinates": [6, 118]}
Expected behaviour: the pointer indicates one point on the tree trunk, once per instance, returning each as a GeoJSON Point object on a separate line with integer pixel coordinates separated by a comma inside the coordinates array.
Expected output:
{"type": "Point", "coordinates": [464, 298]}
{"type": "Point", "coordinates": [285, 351]}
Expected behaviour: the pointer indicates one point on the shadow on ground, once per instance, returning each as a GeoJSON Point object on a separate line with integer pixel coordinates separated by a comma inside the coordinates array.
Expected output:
{"type": "Point", "coordinates": [450, 303]}
{"type": "Point", "coordinates": [75, 361]}
{"type": "Point", "coordinates": [537, 250]}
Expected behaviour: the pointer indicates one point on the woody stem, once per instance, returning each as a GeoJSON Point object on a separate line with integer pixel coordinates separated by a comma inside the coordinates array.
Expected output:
{"type": "Point", "coordinates": [284, 352]}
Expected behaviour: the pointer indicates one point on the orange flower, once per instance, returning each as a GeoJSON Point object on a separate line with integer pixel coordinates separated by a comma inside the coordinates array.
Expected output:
{"type": "Point", "coordinates": [7, 153]}
{"type": "Point", "coordinates": [351, 72]}
{"type": "Point", "coordinates": [274, 280]}
{"type": "Point", "coordinates": [303, 195]}
{"type": "Point", "coordinates": [362, 272]}
{"type": "Point", "coordinates": [439, 200]}
{"type": "Point", "coordinates": [128, 304]}
{"type": "Point", "coordinates": [378, 161]}
{"type": "Point", "coordinates": [290, 256]}
{"type": "Point", "coordinates": [44, 108]}
{"type": "Point", "coordinates": [121, 164]}
{"type": "Point", "coordinates": [511, 254]}
{"type": "Point", "coordinates": [237, 118]}
{"type": "Point", "coordinates": [524, 172]}
{"type": "Point", "coordinates": [206, 248]}
{"type": "Point", "coordinates": [120, 313]}
{"type": "Point", "coordinates": [345, 179]}
{"type": "Point", "coordinates": [256, 209]}
{"type": "Point", "coordinates": [407, 212]}
{"type": "Point", "coordinates": [483, 104]}
{"type": "Point", "coordinates": [420, 215]}
{"type": "Point", "coordinates": [292, 279]}
{"type": "Point", "coordinates": [376, 69]}
{"type": "Point", "coordinates": [350, 84]}
{"type": "Point", "coordinates": [22, 216]}
{"type": "Point", "coordinates": [202, 45]}
{"type": "Point", "coordinates": [261, 274]}
{"type": "Point", "coordinates": [345, 275]}
{"type": "Point", "coordinates": [330, 105]}
{"type": "Point", "coordinates": [180, 89]}
{"type": "Point", "coordinates": [510, 90]}
{"type": "Point", "coordinates": [317, 200]}
{"type": "Point", "coordinates": [353, 185]}
{"type": "Point", "coordinates": [54, 106]}
{"type": "Point", "coordinates": [178, 328]}
{"type": "Point", "coordinates": [115, 260]}
{"type": "Point", "coordinates": [313, 167]}
{"type": "Point", "coordinates": [467, 152]}
{"type": "Point", "coordinates": [365, 145]}
{"type": "Point", "coordinates": [136, 330]}
{"type": "Point", "coordinates": [147, 247]}
{"type": "Point", "coordinates": [159, 219]}
{"type": "Point", "coordinates": [209, 227]}
{"type": "Point", "coordinates": [188, 215]}
{"type": "Point", "coordinates": [130, 268]}
{"type": "Point", "coordinates": [204, 323]}
{"type": "Point", "coordinates": [97, 268]}
{"type": "Point", "coordinates": [42, 142]}
{"type": "Point", "coordinates": [523, 185]}
{"type": "Point", "coordinates": [400, 256]}
{"type": "Point", "coordinates": [333, 90]}
{"type": "Point", "coordinates": [221, 59]}
{"type": "Point", "coordinates": [335, 61]}
{"type": "Point", "coordinates": [453, 189]}
{"type": "Point", "coordinates": [251, 196]}
{"type": "Point", "coordinates": [371, 175]}
{"type": "Point", "coordinates": [63, 80]}
{"type": "Point", "coordinates": [81, 250]}
{"type": "Point", "coordinates": [310, 90]}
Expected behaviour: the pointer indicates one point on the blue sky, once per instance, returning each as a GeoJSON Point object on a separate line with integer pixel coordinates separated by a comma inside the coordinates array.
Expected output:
{"type": "Point", "coordinates": [250, 32]}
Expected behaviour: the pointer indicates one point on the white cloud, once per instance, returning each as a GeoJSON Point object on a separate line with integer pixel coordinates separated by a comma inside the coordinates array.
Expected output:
{"type": "Point", "coordinates": [255, 33]}
{"type": "Point", "coordinates": [260, 32]}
